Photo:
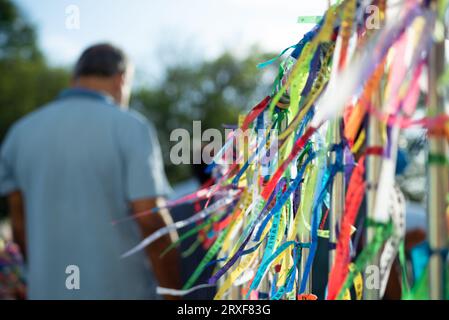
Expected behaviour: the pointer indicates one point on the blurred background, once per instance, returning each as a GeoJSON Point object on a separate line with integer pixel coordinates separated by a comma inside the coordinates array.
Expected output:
{"type": "Point", "coordinates": [194, 60]}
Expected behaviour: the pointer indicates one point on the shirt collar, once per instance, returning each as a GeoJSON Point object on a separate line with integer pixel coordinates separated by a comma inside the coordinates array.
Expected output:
{"type": "Point", "coordinates": [87, 93]}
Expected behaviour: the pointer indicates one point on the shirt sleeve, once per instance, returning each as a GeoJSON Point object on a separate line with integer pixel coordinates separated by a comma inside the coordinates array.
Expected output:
{"type": "Point", "coordinates": [144, 169]}
{"type": "Point", "coordinates": [8, 182]}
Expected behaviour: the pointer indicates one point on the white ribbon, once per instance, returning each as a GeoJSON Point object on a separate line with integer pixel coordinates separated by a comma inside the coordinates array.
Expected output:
{"type": "Point", "coordinates": [178, 293]}
{"type": "Point", "coordinates": [181, 224]}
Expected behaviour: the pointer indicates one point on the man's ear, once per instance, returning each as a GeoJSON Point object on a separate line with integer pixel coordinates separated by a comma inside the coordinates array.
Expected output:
{"type": "Point", "coordinates": [123, 78]}
{"type": "Point", "coordinates": [119, 81]}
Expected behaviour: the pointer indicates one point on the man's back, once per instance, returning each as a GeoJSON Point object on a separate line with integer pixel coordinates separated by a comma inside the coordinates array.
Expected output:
{"type": "Point", "coordinates": [79, 162]}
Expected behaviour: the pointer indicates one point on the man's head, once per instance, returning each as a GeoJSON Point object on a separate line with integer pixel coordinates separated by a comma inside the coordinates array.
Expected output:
{"type": "Point", "coordinates": [105, 68]}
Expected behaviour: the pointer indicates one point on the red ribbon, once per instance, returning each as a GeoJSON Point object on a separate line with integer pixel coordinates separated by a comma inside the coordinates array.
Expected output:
{"type": "Point", "coordinates": [255, 112]}
{"type": "Point", "coordinates": [354, 197]}
{"type": "Point", "coordinates": [299, 145]}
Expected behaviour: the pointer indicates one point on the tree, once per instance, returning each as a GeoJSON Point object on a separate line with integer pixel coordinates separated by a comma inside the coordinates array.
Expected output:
{"type": "Point", "coordinates": [17, 36]}
{"type": "Point", "coordinates": [214, 92]}
{"type": "Point", "coordinates": [26, 81]}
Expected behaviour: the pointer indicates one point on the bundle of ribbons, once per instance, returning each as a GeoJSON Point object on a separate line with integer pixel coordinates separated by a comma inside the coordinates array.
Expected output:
{"type": "Point", "coordinates": [295, 178]}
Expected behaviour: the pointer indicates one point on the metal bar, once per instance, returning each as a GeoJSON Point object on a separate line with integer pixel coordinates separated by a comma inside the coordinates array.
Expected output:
{"type": "Point", "coordinates": [337, 196]}
{"type": "Point", "coordinates": [437, 177]}
{"type": "Point", "coordinates": [338, 184]}
{"type": "Point", "coordinates": [373, 166]}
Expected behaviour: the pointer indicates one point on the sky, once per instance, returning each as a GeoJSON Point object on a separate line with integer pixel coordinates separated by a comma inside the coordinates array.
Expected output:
{"type": "Point", "coordinates": [157, 32]}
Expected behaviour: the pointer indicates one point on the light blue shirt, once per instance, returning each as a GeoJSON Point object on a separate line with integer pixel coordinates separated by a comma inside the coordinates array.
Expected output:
{"type": "Point", "coordinates": [79, 161]}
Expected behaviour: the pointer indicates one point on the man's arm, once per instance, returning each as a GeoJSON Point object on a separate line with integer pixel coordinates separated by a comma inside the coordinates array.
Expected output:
{"type": "Point", "coordinates": [167, 268]}
{"type": "Point", "coordinates": [17, 215]}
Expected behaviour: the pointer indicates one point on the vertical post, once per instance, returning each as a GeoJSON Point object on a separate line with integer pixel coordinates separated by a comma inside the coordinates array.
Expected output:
{"type": "Point", "coordinates": [265, 284]}
{"type": "Point", "coordinates": [338, 184]}
{"type": "Point", "coordinates": [305, 238]}
{"type": "Point", "coordinates": [437, 176]}
{"type": "Point", "coordinates": [373, 165]}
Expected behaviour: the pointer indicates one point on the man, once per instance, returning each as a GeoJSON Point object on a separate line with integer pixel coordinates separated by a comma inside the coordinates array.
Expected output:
{"type": "Point", "coordinates": [73, 167]}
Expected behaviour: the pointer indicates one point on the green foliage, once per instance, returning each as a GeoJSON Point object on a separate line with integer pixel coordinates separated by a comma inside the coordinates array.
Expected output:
{"type": "Point", "coordinates": [26, 82]}
{"type": "Point", "coordinates": [214, 92]}
{"type": "Point", "coordinates": [24, 86]}
{"type": "Point", "coordinates": [17, 37]}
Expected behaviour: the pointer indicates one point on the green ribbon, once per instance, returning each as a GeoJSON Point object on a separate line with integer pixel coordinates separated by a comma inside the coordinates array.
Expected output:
{"type": "Point", "coordinates": [190, 233]}
{"type": "Point", "coordinates": [438, 159]}
{"type": "Point", "coordinates": [207, 258]}
{"type": "Point", "coordinates": [402, 262]}
{"type": "Point", "coordinates": [382, 233]}
{"type": "Point", "coordinates": [420, 291]}
{"type": "Point", "coordinates": [309, 19]}
{"type": "Point", "coordinates": [191, 249]}
{"type": "Point", "coordinates": [271, 61]}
